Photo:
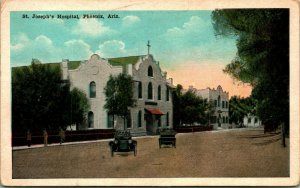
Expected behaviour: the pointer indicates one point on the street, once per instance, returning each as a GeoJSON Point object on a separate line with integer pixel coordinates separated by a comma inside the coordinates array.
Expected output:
{"type": "Point", "coordinates": [228, 153]}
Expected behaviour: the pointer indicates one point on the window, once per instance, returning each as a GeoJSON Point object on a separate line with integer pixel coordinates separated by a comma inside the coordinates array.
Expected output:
{"type": "Point", "coordinates": [167, 94]}
{"type": "Point", "coordinates": [90, 120]}
{"type": "Point", "coordinates": [128, 120]}
{"type": "Point", "coordinates": [226, 104]}
{"type": "Point", "coordinates": [216, 103]}
{"type": "Point", "coordinates": [92, 89]}
{"type": "Point", "coordinates": [150, 92]}
{"type": "Point", "coordinates": [223, 104]}
{"type": "Point", "coordinates": [255, 120]}
{"type": "Point", "coordinates": [150, 71]}
{"type": "Point", "coordinates": [140, 90]}
{"type": "Point", "coordinates": [224, 119]}
{"type": "Point", "coordinates": [110, 121]}
{"type": "Point", "coordinates": [159, 121]}
{"type": "Point", "coordinates": [249, 120]}
{"type": "Point", "coordinates": [219, 100]}
{"type": "Point", "coordinates": [167, 119]}
{"type": "Point", "coordinates": [140, 119]}
{"type": "Point", "coordinates": [158, 93]}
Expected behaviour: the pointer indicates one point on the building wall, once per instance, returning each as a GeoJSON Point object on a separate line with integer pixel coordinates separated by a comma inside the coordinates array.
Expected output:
{"type": "Point", "coordinates": [95, 70]}
{"type": "Point", "coordinates": [251, 121]}
{"type": "Point", "coordinates": [98, 70]}
{"type": "Point", "coordinates": [219, 110]}
{"type": "Point", "coordinates": [140, 74]}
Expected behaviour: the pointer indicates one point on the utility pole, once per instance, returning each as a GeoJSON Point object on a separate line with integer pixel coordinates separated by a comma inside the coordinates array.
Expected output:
{"type": "Point", "coordinates": [283, 134]}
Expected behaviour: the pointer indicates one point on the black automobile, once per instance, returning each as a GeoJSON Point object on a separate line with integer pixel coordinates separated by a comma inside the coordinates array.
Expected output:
{"type": "Point", "coordinates": [167, 137]}
{"type": "Point", "coordinates": [123, 143]}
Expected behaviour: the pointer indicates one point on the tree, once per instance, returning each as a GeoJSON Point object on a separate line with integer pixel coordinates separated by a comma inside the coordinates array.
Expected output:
{"type": "Point", "coordinates": [177, 110]}
{"type": "Point", "coordinates": [262, 58]}
{"type": "Point", "coordinates": [41, 100]}
{"type": "Point", "coordinates": [119, 96]}
{"type": "Point", "coordinates": [239, 108]}
{"type": "Point", "coordinates": [79, 106]}
{"type": "Point", "coordinates": [189, 108]}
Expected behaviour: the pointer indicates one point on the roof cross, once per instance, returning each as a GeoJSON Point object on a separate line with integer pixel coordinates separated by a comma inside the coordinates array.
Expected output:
{"type": "Point", "coordinates": [148, 46]}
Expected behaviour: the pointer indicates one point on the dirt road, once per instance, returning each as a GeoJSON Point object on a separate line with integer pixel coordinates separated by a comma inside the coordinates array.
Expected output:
{"type": "Point", "coordinates": [234, 153]}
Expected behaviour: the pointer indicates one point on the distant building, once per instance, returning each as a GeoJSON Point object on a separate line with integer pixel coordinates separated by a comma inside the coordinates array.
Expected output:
{"type": "Point", "coordinates": [153, 109]}
{"type": "Point", "coordinates": [251, 121]}
{"type": "Point", "coordinates": [220, 101]}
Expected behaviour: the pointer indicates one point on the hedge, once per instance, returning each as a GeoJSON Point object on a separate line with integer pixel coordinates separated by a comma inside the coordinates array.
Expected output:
{"type": "Point", "coordinates": [186, 129]}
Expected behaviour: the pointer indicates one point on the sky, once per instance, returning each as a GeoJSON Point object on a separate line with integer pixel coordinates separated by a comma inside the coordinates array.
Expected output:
{"type": "Point", "coordinates": [182, 41]}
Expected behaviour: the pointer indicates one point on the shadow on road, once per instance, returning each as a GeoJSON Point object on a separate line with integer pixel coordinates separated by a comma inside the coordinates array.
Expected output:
{"type": "Point", "coordinates": [123, 154]}
{"type": "Point", "coordinates": [266, 142]}
{"type": "Point", "coordinates": [258, 137]}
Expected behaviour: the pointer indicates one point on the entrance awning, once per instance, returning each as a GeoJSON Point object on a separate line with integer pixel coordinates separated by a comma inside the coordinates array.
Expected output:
{"type": "Point", "coordinates": [154, 111]}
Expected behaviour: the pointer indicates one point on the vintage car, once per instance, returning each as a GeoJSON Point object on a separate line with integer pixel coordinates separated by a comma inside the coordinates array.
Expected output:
{"type": "Point", "coordinates": [167, 137]}
{"type": "Point", "coordinates": [123, 143]}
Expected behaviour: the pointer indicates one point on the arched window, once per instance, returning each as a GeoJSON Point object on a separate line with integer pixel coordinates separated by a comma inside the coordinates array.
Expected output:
{"type": "Point", "coordinates": [140, 119]}
{"type": "Point", "coordinates": [150, 91]}
{"type": "Point", "coordinates": [159, 121]}
{"type": "Point", "coordinates": [150, 71]}
{"type": "Point", "coordinates": [159, 93]}
{"type": "Point", "coordinates": [140, 90]}
{"type": "Point", "coordinates": [90, 120]}
{"type": "Point", "coordinates": [227, 119]}
{"type": "Point", "coordinates": [128, 120]}
{"type": "Point", "coordinates": [219, 101]}
{"type": "Point", "coordinates": [167, 93]}
{"type": "Point", "coordinates": [110, 120]}
{"type": "Point", "coordinates": [167, 119]}
{"type": "Point", "coordinates": [92, 89]}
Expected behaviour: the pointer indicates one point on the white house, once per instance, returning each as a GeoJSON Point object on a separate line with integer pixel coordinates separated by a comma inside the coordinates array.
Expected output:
{"type": "Point", "coordinates": [251, 121]}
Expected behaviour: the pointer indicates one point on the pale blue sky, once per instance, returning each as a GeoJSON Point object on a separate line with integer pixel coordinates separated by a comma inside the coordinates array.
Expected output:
{"type": "Point", "coordinates": [182, 41]}
{"type": "Point", "coordinates": [176, 37]}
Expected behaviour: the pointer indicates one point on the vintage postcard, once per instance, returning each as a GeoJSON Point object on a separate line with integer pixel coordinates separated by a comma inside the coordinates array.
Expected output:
{"type": "Point", "coordinates": [149, 93]}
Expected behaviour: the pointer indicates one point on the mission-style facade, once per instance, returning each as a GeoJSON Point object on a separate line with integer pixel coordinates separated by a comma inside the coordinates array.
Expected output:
{"type": "Point", "coordinates": [151, 90]}
{"type": "Point", "coordinates": [220, 102]}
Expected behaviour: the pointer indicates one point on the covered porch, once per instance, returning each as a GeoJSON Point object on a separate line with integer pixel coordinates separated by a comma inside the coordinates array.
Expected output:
{"type": "Point", "coordinates": [153, 120]}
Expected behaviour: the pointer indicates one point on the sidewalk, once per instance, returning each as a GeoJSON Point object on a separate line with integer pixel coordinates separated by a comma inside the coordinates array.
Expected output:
{"type": "Point", "coordinates": [73, 143]}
